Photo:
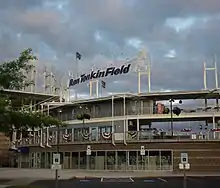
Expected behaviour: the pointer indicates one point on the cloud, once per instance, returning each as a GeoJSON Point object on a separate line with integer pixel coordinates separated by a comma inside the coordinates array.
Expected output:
{"type": "Point", "coordinates": [111, 30]}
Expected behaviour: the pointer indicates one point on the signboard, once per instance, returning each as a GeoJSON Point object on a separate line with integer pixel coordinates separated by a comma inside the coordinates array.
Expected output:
{"type": "Point", "coordinates": [110, 71]}
{"type": "Point", "coordinates": [56, 167]}
{"type": "Point", "coordinates": [88, 151]}
{"type": "Point", "coordinates": [184, 158]}
{"type": "Point", "coordinates": [56, 158]}
{"type": "Point", "coordinates": [142, 150]}
{"type": "Point", "coordinates": [184, 166]}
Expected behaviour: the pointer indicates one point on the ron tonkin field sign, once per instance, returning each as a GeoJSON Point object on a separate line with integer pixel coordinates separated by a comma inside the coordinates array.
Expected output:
{"type": "Point", "coordinates": [110, 71]}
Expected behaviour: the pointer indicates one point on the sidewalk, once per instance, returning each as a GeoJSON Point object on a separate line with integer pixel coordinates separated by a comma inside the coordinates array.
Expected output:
{"type": "Point", "coordinates": [42, 174]}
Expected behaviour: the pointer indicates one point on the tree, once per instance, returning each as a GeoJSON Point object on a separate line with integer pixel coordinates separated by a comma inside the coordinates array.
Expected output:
{"type": "Point", "coordinates": [12, 113]}
{"type": "Point", "coordinates": [82, 117]}
{"type": "Point", "coordinates": [12, 73]}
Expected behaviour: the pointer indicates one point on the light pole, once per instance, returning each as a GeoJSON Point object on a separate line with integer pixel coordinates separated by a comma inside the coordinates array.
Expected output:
{"type": "Point", "coordinates": [58, 149]}
{"type": "Point", "coordinates": [176, 111]}
{"type": "Point", "coordinates": [171, 115]}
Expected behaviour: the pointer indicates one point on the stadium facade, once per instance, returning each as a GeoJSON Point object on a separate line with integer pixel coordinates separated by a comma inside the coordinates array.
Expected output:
{"type": "Point", "coordinates": [121, 134]}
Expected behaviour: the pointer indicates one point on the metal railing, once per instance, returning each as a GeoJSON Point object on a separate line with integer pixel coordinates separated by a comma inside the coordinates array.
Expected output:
{"type": "Point", "coordinates": [104, 137]}
{"type": "Point", "coordinates": [104, 112]}
{"type": "Point", "coordinates": [130, 136]}
{"type": "Point", "coordinates": [147, 136]}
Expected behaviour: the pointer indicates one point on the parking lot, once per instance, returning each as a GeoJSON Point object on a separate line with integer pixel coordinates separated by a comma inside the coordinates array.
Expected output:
{"type": "Point", "coordinates": [68, 179]}
{"type": "Point", "coordinates": [159, 182]}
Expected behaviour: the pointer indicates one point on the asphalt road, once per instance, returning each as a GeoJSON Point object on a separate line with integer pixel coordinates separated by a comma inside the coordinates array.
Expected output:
{"type": "Point", "coordinates": [162, 182]}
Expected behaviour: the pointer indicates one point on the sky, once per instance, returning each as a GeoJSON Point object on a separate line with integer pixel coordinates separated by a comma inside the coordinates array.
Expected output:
{"type": "Point", "coordinates": [178, 36]}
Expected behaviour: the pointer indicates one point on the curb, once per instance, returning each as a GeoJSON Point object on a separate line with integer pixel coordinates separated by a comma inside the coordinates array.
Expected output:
{"type": "Point", "coordinates": [144, 176]}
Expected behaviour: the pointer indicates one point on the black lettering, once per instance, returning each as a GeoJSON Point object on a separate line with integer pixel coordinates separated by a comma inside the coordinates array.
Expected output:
{"type": "Point", "coordinates": [97, 74]}
{"type": "Point", "coordinates": [93, 75]}
{"type": "Point", "coordinates": [101, 74]}
{"type": "Point", "coordinates": [126, 69]}
{"type": "Point", "coordinates": [76, 81]}
{"type": "Point", "coordinates": [87, 77]}
{"type": "Point", "coordinates": [109, 71]}
{"type": "Point", "coordinates": [83, 78]}
{"type": "Point", "coordinates": [122, 67]}
{"type": "Point", "coordinates": [117, 71]}
{"type": "Point", "coordinates": [71, 82]}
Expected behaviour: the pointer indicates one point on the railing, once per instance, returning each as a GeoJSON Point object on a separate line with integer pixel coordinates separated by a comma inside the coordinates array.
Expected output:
{"type": "Point", "coordinates": [104, 137]}
{"type": "Point", "coordinates": [143, 136]}
{"type": "Point", "coordinates": [130, 136]}
{"type": "Point", "coordinates": [104, 112]}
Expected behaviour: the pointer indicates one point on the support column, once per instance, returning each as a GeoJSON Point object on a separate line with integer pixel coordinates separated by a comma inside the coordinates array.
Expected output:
{"type": "Point", "coordinates": [72, 135]}
{"type": "Point", "coordinates": [116, 160]}
{"type": "Point", "coordinates": [79, 160]}
{"type": "Point", "coordinates": [90, 88]}
{"type": "Point", "coordinates": [217, 103]}
{"type": "Point", "coordinates": [97, 136]}
{"type": "Point", "coordinates": [138, 129]}
{"type": "Point", "coordinates": [97, 88]}
{"type": "Point", "coordinates": [137, 160]}
{"type": "Point", "coordinates": [113, 112]}
{"type": "Point", "coordinates": [210, 69]}
{"type": "Point", "coordinates": [127, 161]}
{"type": "Point", "coordinates": [144, 56]}
{"type": "Point", "coordinates": [125, 119]}
{"type": "Point", "coordinates": [71, 160]}
{"type": "Point", "coordinates": [139, 82]}
{"type": "Point", "coordinates": [206, 105]}
{"type": "Point", "coordinates": [106, 155]}
{"type": "Point", "coordinates": [160, 158]}
{"type": "Point", "coordinates": [91, 82]}
{"type": "Point", "coordinates": [216, 74]}
{"type": "Point", "coordinates": [213, 126]}
{"type": "Point", "coordinates": [87, 162]}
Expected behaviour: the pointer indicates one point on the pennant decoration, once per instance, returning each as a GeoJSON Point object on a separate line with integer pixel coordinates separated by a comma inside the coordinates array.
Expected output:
{"type": "Point", "coordinates": [186, 130]}
{"type": "Point", "coordinates": [106, 135]}
{"type": "Point", "coordinates": [86, 135]}
{"type": "Point", "coordinates": [215, 130]}
{"type": "Point", "coordinates": [132, 134]}
{"type": "Point", "coordinates": [67, 137]}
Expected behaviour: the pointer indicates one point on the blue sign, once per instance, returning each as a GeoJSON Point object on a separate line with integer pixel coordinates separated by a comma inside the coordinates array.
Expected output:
{"type": "Point", "coordinates": [84, 180]}
{"type": "Point", "coordinates": [23, 150]}
{"type": "Point", "coordinates": [149, 181]}
{"type": "Point", "coordinates": [111, 71]}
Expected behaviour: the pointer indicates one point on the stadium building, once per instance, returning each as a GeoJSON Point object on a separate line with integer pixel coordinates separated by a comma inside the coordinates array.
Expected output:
{"type": "Point", "coordinates": [118, 134]}
{"type": "Point", "coordinates": [128, 131]}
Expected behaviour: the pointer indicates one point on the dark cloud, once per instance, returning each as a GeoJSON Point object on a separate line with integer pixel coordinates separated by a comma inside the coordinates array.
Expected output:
{"type": "Point", "coordinates": [74, 26]}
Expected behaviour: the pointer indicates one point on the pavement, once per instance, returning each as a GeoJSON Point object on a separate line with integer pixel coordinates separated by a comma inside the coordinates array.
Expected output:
{"type": "Point", "coordinates": [17, 173]}
{"type": "Point", "coordinates": [153, 182]}
{"type": "Point", "coordinates": [69, 178]}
